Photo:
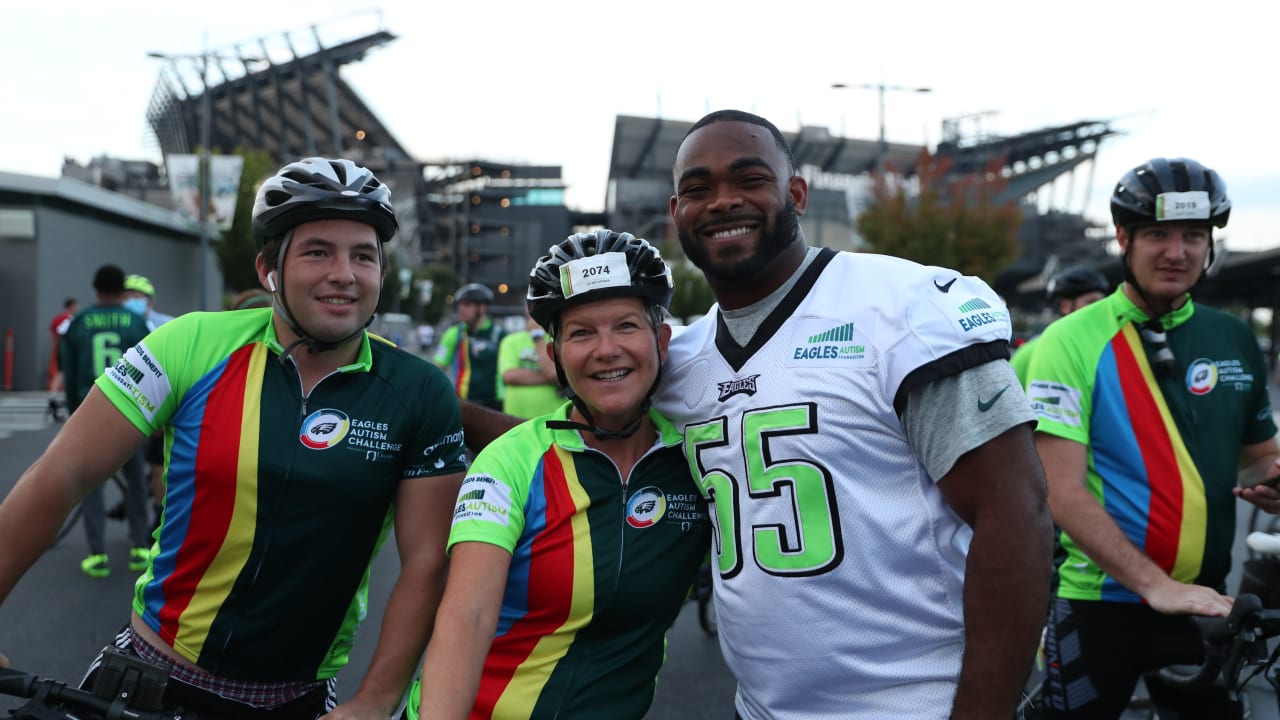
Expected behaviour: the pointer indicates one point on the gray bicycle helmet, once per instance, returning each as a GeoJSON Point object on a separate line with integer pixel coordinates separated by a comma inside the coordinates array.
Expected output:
{"type": "Point", "coordinates": [1142, 195]}
{"type": "Point", "coordinates": [553, 285]}
{"type": "Point", "coordinates": [474, 292]}
{"type": "Point", "coordinates": [322, 189]}
{"type": "Point", "coordinates": [1070, 283]}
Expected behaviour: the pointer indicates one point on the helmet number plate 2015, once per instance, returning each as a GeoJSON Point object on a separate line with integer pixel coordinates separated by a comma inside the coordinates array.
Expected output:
{"type": "Point", "coordinates": [594, 273]}
{"type": "Point", "coordinates": [1190, 205]}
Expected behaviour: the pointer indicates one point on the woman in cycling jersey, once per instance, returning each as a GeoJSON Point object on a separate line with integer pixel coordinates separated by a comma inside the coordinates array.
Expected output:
{"type": "Point", "coordinates": [577, 534]}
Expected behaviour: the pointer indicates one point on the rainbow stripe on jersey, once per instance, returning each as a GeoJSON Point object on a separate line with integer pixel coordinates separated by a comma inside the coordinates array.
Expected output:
{"type": "Point", "coordinates": [1162, 449]}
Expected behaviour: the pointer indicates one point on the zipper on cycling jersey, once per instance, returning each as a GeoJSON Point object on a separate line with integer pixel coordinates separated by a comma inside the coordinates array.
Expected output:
{"type": "Point", "coordinates": [303, 398]}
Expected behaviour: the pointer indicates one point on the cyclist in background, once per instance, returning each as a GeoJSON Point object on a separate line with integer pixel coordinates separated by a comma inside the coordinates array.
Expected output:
{"type": "Point", "coordinates": [1154, 417]}
{"type": "Point", "coordinates": [140, 296]}
{"type": "Point", "coordinates": [468, 349]}
{"type": "Point", "coordinates": [293, 439]}
{"type": "Point", "coordinates": [577, 534]}
{"type": "Point", "coordinates": [528, 374]}
{"type": "Point", "coordinates": [93, 342]}
{"type": "Point", "coordinates": [1068, 290]}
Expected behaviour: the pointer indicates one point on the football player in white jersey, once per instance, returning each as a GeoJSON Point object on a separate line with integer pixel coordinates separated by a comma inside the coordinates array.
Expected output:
{"type": "Point", "coordinates": [883, 543]}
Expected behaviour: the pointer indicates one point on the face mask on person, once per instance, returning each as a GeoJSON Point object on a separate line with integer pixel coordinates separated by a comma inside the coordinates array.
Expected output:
{"type": "Point", "coordinates": [137, 305]}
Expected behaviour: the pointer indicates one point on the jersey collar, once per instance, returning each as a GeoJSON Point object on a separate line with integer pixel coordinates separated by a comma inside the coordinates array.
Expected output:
{"type": "Point", "coordinates": [1124, 308]}
{"type": "Point", "coordinates": [571, 440]}
{"type": "Point", "coordinates": [363, 361]}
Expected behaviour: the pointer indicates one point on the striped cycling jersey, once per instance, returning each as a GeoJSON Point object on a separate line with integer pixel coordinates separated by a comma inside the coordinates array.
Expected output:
{"type": "Point", "coordinates": [470, 359]}
{"type": "Point", "coordinates": [275, 503]}
{"type": "Point", "coordinates": [1163, 448]}
{"type": "Point", "coordinates": [599, 570]}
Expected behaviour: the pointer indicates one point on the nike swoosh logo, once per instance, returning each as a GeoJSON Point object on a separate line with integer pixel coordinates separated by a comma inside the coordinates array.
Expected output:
{"type": "Point", "coordinates": [945, 287]}
{"type": "Point", "coordinates": [985, 406]}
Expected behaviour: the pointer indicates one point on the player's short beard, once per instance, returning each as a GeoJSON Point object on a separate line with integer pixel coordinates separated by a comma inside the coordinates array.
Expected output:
{"type": "Point", "coordinates": [784, 231]}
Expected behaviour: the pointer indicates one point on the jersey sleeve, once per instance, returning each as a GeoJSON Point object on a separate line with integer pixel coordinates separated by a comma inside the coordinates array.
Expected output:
{"type": "Point", "coordinates": [448, 345]}
{"type": "Point", "coordinates": [142, 382]}
{"type": "Point", "coordinates": [509, 353]}
{"type": "Point", "coordinates": [951, 323]}
{"type": "Point", "coordinates": [951, 416]}
{"type": "Point", "coordinates": [1058, 384]}
{"type": "Point", "coordinates": [491, 502]}
{"type": "Point", "coordinates": [438, 445]}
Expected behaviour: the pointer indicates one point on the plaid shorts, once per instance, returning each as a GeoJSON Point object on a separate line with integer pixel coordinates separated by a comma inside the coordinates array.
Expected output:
{"type": "Point", "coordinates": [253, 694]}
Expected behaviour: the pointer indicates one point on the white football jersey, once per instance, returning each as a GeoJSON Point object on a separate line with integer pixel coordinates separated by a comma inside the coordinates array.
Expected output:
{"type": "Point", "coordinates": [841, 567]}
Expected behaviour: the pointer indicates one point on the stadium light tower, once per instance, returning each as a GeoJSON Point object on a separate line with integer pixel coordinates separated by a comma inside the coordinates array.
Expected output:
{"type": "Point", "coordinates": [881, 88]}
{"type": "Point", "coordinates": [205, 180]}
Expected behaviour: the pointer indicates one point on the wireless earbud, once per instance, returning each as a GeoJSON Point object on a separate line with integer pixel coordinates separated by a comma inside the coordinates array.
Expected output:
{"type": "Point", "coordinates": [271, 280]}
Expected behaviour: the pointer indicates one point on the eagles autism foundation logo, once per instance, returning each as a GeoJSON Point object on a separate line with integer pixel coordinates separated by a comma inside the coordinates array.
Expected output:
{"type": "Point", "coordinates": [324, 428]}
{"type": "Point", "coordinates": [646, 507]}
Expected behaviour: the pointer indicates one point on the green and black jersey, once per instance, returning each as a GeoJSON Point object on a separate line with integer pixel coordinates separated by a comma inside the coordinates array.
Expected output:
{"type": "Point", "coordinates": [275, 502]}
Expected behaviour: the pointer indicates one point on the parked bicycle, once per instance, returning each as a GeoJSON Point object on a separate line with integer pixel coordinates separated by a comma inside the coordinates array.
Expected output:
{"type": "Point", "coordinates": [1235, 650]}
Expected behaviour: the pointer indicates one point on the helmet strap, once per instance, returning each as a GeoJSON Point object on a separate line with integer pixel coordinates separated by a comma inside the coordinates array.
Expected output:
{"type": "Point", "coordinates": [591, 426]}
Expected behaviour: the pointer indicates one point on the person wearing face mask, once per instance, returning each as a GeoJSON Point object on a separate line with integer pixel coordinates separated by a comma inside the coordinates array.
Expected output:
{"type": "Point", "coordinates": [139, 296]}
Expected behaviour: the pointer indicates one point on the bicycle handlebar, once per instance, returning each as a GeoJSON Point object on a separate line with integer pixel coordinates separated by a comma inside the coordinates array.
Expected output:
{"type": "Point", "coordinates": [47, 698]}
{"type": "Point", "coordinates": [1226, 642]}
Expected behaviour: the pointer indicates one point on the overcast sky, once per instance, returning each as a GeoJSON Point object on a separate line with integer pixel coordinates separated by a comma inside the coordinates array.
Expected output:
{"type": "Point", "coordinates": [541, 82]}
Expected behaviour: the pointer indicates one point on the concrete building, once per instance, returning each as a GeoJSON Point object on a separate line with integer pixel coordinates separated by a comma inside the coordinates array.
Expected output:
{"type": "Point", "coordinates": [54, 233]}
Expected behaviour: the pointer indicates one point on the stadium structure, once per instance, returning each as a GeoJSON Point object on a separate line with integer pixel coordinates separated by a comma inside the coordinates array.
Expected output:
{"type": "Point", "coordinates": [488, 220]}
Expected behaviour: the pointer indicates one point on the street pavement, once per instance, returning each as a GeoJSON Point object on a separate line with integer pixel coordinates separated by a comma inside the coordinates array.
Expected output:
{"type": "Point", "coordinates": [57, 619]}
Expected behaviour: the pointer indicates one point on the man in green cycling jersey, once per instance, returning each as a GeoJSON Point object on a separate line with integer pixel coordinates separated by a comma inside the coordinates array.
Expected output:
{"type": "Point", "coordinates": [293, 440]}
{"type": "Point", "coordinates": [468, 349]}
{"type": "Point", "coordinates": [1153, 418]}
{"type": "Point", "coordinates": [1068, 290]}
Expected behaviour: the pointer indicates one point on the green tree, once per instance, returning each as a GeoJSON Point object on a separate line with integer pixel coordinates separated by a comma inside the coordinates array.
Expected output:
{"type": "Point", "coordinates": [237, 249]}
{"type": "Point", "coordinates": [692, 295]}
{"type": "Point", "coordinates": [954, 222]}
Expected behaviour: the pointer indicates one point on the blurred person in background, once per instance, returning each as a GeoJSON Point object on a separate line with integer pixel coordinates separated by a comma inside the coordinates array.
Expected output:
{"type": "Point", "coordinates": [528, 373]}
{"type": "Point", "coordinates": [140, 296]}
{"type": "Point", "coordinates": [468, 350]}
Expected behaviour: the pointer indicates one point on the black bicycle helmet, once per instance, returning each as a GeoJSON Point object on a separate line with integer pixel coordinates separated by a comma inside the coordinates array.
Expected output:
{"type": "Point", "coordinates": [554, 285]}
{"type": "Point", "coordinates": [1070, 283]}
{"type": "Point", "coordinates": [322, 189]}
{"type": "Point", "coordinates": [1141, 196]}
{"type": "Point", "coordinates": [474, 292]}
